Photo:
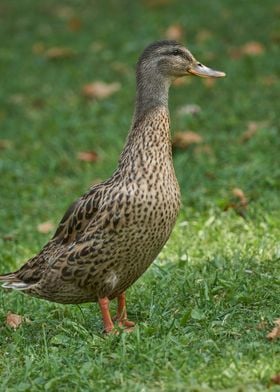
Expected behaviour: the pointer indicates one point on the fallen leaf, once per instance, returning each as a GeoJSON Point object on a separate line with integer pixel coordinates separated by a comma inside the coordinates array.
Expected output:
{"type": "Point", "coordinates": [275, 379]}
{"type": "Point", "coordinates": [251, 130]}
{"type": "Point", "coordinates": [87, 156]}
{"type": "Point", "coordinates": [275, 333]}
{"type": "Point", "coordinates": [188, 110]}
{"type": "Point", "coordinates": [209, 82]}
{"type": "Point", "coordinates": [175, 32]}
{"type": "Point", "coordinates": [100, 90]}
{"type": "Point", "coordinates": [14, 320]}
{"type": "Point", "coordinates": [59, 52]}
{"type": "Point", "coordinates": [239, 203]}
{"type": "Point", "coordinates": [182, 81]}
{"type": "Point", "coordinates": [252, 48]}
{"type": "Point", "coordinates": [184, 139]}
{"type": "Point", "coordinates": [239, 194]}
{"type": "Point", "coordinates": [74, 24]}
{"type": "Point", "coordinates": [45, 227]}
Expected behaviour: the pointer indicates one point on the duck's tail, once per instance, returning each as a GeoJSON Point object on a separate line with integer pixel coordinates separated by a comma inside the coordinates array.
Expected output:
{"type": "Point", "coordinates": [11, 281]}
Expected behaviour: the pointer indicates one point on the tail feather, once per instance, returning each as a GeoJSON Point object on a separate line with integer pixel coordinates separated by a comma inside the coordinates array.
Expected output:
{"type": "Point", "coordinates": [16, 286]}
{"type": "Point", "coordinates": [11, 281]}
{"type": "Point", "coordinates": [10, 277]}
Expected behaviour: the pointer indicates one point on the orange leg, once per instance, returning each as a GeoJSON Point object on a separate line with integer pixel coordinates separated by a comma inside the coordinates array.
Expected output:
{"type": "Point", "coordinates": [105, 311]}
{"type": "Point", "coordinates": [122, 314]}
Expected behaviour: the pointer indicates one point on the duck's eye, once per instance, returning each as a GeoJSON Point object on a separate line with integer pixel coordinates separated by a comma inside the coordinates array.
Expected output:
{"type": "Point", "coordinates": [176, 52]}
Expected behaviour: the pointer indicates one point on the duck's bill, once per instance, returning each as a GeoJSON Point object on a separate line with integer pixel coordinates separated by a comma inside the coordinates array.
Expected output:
{"type": "Point", "coordinates": [205, 72]}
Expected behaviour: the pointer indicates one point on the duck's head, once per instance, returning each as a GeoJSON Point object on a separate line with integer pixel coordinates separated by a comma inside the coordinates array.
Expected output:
{"type": "Point", "coordinates": [172, 60]}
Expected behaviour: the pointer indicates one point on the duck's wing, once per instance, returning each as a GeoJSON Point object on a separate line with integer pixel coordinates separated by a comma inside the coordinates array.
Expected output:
{"type": "Point", "coordinates": [78, 215]}
{"type": "Point", "coordinates": [73, 223]}
{"type": "Point", "coordinates": [91, 248]}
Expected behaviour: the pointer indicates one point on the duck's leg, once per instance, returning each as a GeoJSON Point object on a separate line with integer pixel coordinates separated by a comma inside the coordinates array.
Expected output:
{"type": "Point", "coordinates": [105, 311]}
{"type": "Point", "coordinates": [121, 316]}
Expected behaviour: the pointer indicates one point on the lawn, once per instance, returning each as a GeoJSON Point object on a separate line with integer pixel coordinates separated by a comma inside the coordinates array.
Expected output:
{"type": "Point", "coordinates": [205, 306]}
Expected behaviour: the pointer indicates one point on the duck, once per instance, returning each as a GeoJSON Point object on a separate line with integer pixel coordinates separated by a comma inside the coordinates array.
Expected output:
{"type": "Point", "coordinates": [109, 237]}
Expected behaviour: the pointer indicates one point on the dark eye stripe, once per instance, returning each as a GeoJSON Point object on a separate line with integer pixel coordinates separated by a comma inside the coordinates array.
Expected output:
{"type": "Point", "coordinates": [177, 52]}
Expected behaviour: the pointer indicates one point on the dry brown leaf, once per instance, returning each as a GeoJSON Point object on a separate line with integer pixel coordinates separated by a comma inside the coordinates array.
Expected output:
{"type": "Point", "coordinates": [239, 205]}
{"type": "Point", "coordinates": [45, 227]}
{"type": "Point", "coordinates": [175, 32]}
{"type": "Point", "coordinates": [251, 130]}
{"type": "Point", "coordinates": [100, 90]}
{"type": "Point", "coordinates": [275, 333]}
{"type": "Point", "coordinates": [252, 48]}
{"type": "Point", "coordinates": [185, 139]}
{"type": "Point", "coordinates": [182, 82]}
{"type": "Point", "coordinates": [239, 194]}
{"type": "Point", "coordinates": [74, 24]}
{"type": "Point", "coordinates": [14, 320]}
{"type": "Point", "coordinates": [275, 379]}
{"type": "Point", "coordinates": [209, 82]}
{"type": "Point", "coordinates": [188, 110]}
{"type": "Point", "coordinates": [59, 52]}
{"type": "Point", "coordinates": [87, 156]}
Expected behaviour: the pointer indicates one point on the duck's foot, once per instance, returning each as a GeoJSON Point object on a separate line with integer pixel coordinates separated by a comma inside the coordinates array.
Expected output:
{"type": "Point", "coordinates": [107, 321]}
{"type": "Point", "coordinates": [125, 323]}
{"type": "Point", "coordinates": [121, 316]}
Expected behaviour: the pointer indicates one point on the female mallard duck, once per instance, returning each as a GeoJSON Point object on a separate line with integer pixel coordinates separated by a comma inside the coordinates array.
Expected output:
{"type": "Point", "coordinates": [109, 236]}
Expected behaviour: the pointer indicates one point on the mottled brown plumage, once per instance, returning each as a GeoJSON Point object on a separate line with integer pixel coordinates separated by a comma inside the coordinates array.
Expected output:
{"type": "Point", "coordinates": [110, 236]}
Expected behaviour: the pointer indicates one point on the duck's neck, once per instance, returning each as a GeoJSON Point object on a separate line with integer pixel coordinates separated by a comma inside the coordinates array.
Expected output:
{"type": "Point", "coordinates": [149, 137]}
{"type": "Point", "coordinates": [151, 92]}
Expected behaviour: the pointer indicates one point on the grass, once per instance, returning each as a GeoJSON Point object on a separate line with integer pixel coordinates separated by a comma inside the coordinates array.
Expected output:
{"type": "Point", "coordinates": [205, 306]}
